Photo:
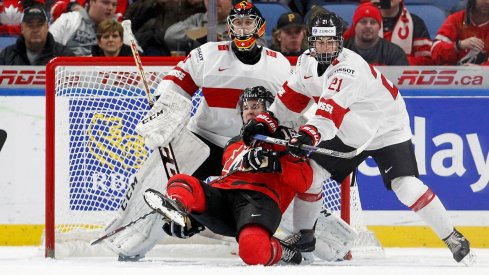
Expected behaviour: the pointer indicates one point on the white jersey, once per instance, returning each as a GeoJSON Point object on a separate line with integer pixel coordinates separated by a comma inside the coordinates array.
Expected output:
{"type": "Point", "coordinates": [215, 69]}
{"type": "Point", "coordinates": [355, 101]}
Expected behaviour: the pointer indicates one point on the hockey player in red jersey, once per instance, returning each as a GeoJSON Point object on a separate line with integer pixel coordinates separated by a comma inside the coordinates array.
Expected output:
{"type": "Point", "coordinates": [222, 70]}
{"type": "Point", "coordinates": [258, 184]}
{"type": "Point", "coordinates": [357, 107]}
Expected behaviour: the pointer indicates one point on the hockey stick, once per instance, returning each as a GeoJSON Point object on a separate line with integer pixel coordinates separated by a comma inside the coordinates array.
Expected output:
{"type": "Point", "coordinates": [324, 151]}
{"type": "Point", "coordinates": [115, 231]}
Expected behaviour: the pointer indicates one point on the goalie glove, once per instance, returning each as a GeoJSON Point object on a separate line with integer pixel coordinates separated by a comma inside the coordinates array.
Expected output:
{"type": "Point", "coordinates": [259, 160]}
{"type": "Point", "coordinates": [175, 230]}
{"type": "Point", "coordinates": [169, 115]}
{"type": "Point", "coordinates": [265, 124]}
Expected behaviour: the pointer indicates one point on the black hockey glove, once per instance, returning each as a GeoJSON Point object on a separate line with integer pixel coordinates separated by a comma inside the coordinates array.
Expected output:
{"type": "Point", "coordinates": [175, 230]}
{"type": "Point", "coordinates": [265, 124]}
{"type": "Point", "coordinates": [308, 135]}
{"type": "Point", "coordinates": [259, 160]}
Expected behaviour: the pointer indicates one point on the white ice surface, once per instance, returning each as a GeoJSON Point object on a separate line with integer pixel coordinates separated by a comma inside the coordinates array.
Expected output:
{"type": "Point", "coordinates": [198, 261]}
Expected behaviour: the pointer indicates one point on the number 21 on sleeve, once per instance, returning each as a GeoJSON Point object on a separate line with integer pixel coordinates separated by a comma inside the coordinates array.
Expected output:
{"type": "Point", "coordinates": [335, 84]}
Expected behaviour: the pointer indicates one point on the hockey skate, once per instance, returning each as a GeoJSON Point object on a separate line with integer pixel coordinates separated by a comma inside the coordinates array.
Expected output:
{"type": "Point", "coordinates": [460, 247]}
{"type": "Point", "coordinates": [172, 209]}
{"type": "Point", "coordinates": [303, 241]}
{"type": "Point", "coordinates": [290, 255]}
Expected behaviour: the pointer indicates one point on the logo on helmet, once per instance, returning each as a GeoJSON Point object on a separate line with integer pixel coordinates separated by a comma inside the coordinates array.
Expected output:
{"type": "Point", "coordinates": [324, 31]}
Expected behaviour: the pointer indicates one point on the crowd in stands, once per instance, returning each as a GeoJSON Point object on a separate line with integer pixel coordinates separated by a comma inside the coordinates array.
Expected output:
{"type": "Point", "coordinates": [383, 32]}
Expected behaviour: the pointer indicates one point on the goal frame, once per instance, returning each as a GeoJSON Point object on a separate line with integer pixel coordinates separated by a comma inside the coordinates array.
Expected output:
{"type": "Point", "coordinates": [50, 210]}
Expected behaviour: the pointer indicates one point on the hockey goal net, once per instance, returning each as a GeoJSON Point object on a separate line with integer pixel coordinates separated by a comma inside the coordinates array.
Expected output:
{"type": "Point", "coordinates": [92, 150]}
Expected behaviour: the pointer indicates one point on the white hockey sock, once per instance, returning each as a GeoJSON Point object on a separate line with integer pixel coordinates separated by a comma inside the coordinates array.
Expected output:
{"type": "Point", "coordinates": [418, 197]}
{"type": "Point", "coordinates": [306, 212]}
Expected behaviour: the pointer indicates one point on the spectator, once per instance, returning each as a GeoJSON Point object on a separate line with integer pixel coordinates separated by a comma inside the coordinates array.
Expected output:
{"type": "Point", "coordinates": [76, 29]}
{"type": "Point", "coordinates": [11, 15]}
{"type": "Point", "coordinates": [62, 6]}
{"type": "Point", "coordinates": [192, 32]}
{"type": "Point", "coordinates": [110, 40]}
{"type": "Point", "coordinates": [463, 39]}
{"type": "Point", "coordinates": [408, 31]}
{"type": "Point", "coordinates": [35, 46]}
{"type": "Point", "coordinates": [289, 36]}
{"type": "Point", "coordinates": [363, 38]}
{"type": "Point", "coordinates": [151, 18]}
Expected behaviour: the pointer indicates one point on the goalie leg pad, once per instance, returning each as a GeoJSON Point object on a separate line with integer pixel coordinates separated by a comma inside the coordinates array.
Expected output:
{"type": "Point", "coordinates": [188, 152]}
{"type": "Point", "coordinates": [188, 190]}
{"type": "Point", "coordinates": [334, 237]}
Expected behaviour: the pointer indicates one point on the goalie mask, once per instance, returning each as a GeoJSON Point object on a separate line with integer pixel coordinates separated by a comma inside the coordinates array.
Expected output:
{"type": "Point", "coordinates": [261, 94]}
{"type": "Point", "coordinates": [245, 25]}
{"type": "Point", "coordinates": [325, 37]}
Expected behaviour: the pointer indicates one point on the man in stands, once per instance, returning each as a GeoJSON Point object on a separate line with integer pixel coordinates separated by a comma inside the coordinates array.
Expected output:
{"type": "Point", "coordinates": [190, 33]}
{"type": "Point", "coordinates": [36, 46]}
{"type": "Point", "coordinates": [406, 30]}
{"type": "Point", "coordinates": [11, 15]}
{"type": "Point", "coordinates": [248, 202]}
{"type": "Point", "coordinates": [363, 38]}
{"type": "Point", "coordinates": [77, 29]}
{"type": "Point", "coordinates": [357, 108]}
{"type": "Point", "coordinates": [222, 70]}
{"type": "Point", "coordinates": [463, 39]}
{"type": "Point", "coordinates": [289, 36]}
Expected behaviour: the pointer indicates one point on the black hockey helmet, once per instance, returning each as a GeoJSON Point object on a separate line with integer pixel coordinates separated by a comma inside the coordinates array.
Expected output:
{"type": "Point", "coordinates": [260, 93]}
{"type": "Point", "coordinates": [242, 37]}
{"type": "Point", "coordinates": [325, 27]}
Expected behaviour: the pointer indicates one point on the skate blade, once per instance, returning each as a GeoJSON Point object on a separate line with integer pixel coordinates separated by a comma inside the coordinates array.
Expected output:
{"type": "Point", "coordinates": [469, 259]}
{"type": "Point", "coordinates": [155, 200]}
{"type": "Point", "coordinates": [307, 258]}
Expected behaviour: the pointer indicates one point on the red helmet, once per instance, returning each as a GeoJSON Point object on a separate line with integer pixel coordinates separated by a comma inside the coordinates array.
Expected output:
{"type": "Point", "coordinates": [245, 25]}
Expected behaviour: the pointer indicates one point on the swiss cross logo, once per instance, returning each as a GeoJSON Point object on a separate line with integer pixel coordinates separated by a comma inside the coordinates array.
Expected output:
{"type": "Point", "coordinates": [223, 47]}
{"type": "Point", "coordinates": [271, 53]}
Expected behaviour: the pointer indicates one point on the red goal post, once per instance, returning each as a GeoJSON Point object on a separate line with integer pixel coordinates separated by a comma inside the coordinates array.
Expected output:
{"type": "Point", "coordinates": [92, 107]}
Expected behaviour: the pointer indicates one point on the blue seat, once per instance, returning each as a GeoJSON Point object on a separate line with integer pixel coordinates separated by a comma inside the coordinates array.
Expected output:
{"type": "Point", "coordinates": [432, 16]}
{"type": "Point", "coordinates": [447, 5]}
{"type": "Point", "coordinates": [345, 10]}
{"type": "Point", "coordinates": [7, 41]}
{"type": "Point", "coordinates": [271, 12]}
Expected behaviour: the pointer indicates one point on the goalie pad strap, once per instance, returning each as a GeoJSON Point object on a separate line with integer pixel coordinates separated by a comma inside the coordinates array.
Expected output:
{"type": "Point", "coordinates": [310, 197]}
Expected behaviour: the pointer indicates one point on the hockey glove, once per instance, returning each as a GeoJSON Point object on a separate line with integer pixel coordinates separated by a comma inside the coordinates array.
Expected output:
{"type": "Point", "coordinates": [265, 124]}
{"type": "Point", "coordinates": [175, 230]}
{"type": "Point", "coordinates": [308, 135]}
{"type": "Point", "coordinates": [259, 160]}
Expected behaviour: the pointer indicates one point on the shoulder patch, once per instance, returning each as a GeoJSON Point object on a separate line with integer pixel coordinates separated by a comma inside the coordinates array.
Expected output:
{"type": "Point", "coordinates": [223, 47]}
{"type": "Point", "coordinates": [271, 53]}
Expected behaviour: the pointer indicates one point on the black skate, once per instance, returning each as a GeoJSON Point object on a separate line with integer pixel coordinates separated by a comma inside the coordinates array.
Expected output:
{"type": "Point", "coordinates": [305, 242]}
{"type": "Point", "coordinates": [172, 209]}
{"type": "Point", "coordinates": [290, 255]}
{"type": "Point", "coordinates": [460, 248]}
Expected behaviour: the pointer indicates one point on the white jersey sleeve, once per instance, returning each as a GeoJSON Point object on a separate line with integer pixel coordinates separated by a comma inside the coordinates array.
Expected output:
{"type": "Point", "coordinates": [296, 96]}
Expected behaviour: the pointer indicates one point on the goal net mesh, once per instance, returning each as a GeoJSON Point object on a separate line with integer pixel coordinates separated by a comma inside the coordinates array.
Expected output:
{"type": "Point", "coordinates": [97, 151]}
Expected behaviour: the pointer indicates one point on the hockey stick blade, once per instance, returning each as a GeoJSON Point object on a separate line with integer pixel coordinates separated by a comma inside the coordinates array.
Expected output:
{"type": "Point", "coordinates": [115, 231]}
{"type": "Point", "coordinates": [160, 204]}
{"type": "Point", "coordinates": [324, 151]}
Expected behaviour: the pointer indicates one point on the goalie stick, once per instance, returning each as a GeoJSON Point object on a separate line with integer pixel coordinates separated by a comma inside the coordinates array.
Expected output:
{"type": "Point", "coordinates": [115, 231]}
{"type": "Point", "coordinates": [324, 151]}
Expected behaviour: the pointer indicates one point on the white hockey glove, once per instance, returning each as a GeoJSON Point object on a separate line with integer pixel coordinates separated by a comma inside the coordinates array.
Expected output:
{"type": "Point", "coordinates": [169, 115]}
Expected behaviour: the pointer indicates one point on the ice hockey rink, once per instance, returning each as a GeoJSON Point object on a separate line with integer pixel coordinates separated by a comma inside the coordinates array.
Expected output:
{"type": "Point", "coordinates": [203, 260]}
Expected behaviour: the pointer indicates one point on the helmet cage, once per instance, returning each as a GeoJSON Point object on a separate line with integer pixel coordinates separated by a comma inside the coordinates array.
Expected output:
{"type": "Point", "coordinates": [325, 58]}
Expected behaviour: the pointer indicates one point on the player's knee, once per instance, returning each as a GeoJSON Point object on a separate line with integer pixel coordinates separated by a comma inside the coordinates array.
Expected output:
{"type": "Point", "coordinates": [189, 190]}
{"type": "Point", "coordinates": [409, 189]}
{"type": "Point", "coordinates": [254, 245]}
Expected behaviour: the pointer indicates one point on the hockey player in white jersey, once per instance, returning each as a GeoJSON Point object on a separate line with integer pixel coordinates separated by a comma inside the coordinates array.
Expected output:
{"type": "Point", "coordinates": [356, 105]}
{"type": "Point", "coordinates": [222, 70]}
